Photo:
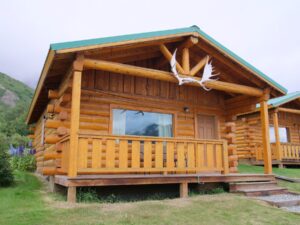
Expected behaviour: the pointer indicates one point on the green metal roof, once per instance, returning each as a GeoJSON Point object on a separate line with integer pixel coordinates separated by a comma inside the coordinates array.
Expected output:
{"type": "Point", "coordinates": [196, 29]}
{"type": "Point", "coordinates": [284, 99]}
{"type": "Point", "coordinates": [275, 102]}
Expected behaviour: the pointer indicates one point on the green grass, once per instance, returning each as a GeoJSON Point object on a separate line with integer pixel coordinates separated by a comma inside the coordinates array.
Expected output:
{"type": "Point", "coordinates": [22, 203]}
{"type": "Point", "coordinates": [288, 172]}
{"type": "Point", "coordinates": [294, 187]}
{"type": "Point", "coordinates": [28, 203]}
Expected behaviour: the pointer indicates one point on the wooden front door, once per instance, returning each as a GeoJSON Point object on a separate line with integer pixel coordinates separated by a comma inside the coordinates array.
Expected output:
{"type": "Point", "coordinates": [207, 127]}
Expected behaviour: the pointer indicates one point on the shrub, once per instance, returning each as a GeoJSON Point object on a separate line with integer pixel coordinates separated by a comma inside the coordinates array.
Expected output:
{"type": "Point", "coordinates": [23, 163]}
{"type": "Point", "coordinates": [6, 174]}
{"type": "Point", "coordinates": [87, 195]}
{"type": "Point", "coordinates": [22, 159]}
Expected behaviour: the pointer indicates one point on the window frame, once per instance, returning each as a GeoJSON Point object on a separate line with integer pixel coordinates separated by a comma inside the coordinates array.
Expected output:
{"type": "Point", "coordinates": [144, 109]}
{"type": "Point", "coordinates": [288, 135]}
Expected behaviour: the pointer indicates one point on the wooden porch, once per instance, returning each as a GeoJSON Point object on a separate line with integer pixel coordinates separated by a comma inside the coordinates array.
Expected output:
{"type": "Point", "coordinates": [183, 180]}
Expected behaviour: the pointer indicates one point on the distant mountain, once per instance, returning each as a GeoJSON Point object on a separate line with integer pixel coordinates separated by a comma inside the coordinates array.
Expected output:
{"type": "Point", "coordinates": [13, 91]}
{"type": "Point", "coordinates": [15, 98]}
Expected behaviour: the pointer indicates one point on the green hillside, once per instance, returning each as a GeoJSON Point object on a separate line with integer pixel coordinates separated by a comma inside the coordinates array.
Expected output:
{"type": "Point", "coordinates": [15, 98]}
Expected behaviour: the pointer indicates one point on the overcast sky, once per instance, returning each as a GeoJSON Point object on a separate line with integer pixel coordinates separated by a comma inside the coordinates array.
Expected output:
{"type": "Point", "coordinates": [266, 33]}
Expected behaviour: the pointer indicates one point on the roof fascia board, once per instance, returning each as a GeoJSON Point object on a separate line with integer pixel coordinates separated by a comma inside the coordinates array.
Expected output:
{"type": "Point", "coordinates": [47, 64]}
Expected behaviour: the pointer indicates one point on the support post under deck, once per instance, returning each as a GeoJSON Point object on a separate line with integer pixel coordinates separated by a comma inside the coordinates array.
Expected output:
{"type": "Point", "coordinates": [183, 190]}
{"type": "Point", "coordinates": [71, 195]}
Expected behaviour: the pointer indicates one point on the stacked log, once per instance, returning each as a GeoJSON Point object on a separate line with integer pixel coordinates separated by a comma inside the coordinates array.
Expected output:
{"type": "Point", "coordinates": [232, 152]}
{"type": "Point", "coordinates": [56, 126]}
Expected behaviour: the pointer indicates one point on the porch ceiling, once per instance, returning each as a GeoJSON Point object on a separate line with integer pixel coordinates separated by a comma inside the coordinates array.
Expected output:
{"type": "Point", "coordinates": [137, 51]}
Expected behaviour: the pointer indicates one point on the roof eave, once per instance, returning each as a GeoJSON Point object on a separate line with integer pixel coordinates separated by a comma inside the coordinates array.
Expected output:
{"type": "Point", "coordinates": [47, 64]}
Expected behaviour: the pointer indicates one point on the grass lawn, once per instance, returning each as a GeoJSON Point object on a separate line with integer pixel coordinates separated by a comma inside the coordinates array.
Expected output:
{"type": "Point", "coordinates": [28, 203]}
{"type": "Point", "coordinates": [288, 172]}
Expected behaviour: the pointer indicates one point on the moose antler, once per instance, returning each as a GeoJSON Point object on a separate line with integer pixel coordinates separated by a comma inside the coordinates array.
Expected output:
{"type": "Point", "coordinates": [207, 73]}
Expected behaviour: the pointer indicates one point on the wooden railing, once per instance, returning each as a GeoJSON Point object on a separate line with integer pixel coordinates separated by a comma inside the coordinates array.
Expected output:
{"type": "Point", "coordinates": [134, 154]}
{"type": "Point", "coordinates": [290, 151]}
{"type": "Point", "coordinates": [259, 151]}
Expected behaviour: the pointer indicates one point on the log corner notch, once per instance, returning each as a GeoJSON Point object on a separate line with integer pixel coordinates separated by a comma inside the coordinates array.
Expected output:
{"type": "Point", "coordinates": [265, 131]}
{"type": "Point", "coordinates": [232, 152]}
{"type": "Point", "coordinates": [75, 114]}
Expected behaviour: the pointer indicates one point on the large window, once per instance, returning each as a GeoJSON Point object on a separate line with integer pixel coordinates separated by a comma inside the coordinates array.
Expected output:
{"type": "Point", "coordinates": [283, 134]}
{"type": "Point", "coordinates": [132, 122]}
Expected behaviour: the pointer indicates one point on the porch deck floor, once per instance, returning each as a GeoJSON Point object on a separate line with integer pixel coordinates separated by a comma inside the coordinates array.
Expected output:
{"type": "Point", "coordinates": [277, 162]}
{"type": "Point", "coordinates": [143, 179]}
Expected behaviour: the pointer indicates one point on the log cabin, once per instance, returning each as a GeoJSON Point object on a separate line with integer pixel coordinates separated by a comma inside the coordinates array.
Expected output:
{"type": "Point", "coordinates": [284, 132]}
{"type": "Point", "coordinates": [109, 111]}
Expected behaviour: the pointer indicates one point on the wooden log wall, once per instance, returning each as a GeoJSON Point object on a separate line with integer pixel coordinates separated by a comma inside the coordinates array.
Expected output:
{"type": "Point", "coordinates": [56, 125]}
{"type": "Point", "coordinates": [102, 91]}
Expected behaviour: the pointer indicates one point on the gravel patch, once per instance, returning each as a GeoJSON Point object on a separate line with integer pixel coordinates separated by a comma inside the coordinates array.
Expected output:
{"type": "Point", "coordinates": [280, 198]}
{"type": "Point", "coordinates": [295, 209]}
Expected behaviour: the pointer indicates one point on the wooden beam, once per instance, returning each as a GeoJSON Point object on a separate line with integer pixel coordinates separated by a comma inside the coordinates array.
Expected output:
{"type": "Point", "coordinates": [75, 116]}
{"type": "Point", "coordinates": [186, 60]}
{"type": "Point", "coordinates": [265, 135]}
{"type": "Point", "coordinates": [295, 111]}
{"type": "Point", "coordinates": [189, 42]}
{"type": "Point", "coordinates": [186, 44]}
{"type": "Point", "coordinates": [199, 66]}
{"type": "Point", "coordinates": [53, 94]}
{"type": "Point", "coordinates": [168, 55]}
{"type": "Point", "coordinates": [167, 76]}
{"type": "Point", "coordinates": [277, 137]}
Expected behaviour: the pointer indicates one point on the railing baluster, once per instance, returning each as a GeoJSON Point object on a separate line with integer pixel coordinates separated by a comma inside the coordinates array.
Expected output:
{"type": "Point", "coordinates": [123, 154]}
{"type": "Point", "coordinates": [191, 155]}
{"type": "Point", "coordinates": [135, 159]}
{"type": "Point", "coordinates": [110, 154]}
{"type": "Point", "coordinates": [209, 156]}
{"type": "Point", "coordinates": [180, 155]}
{"type": "Point", "coordinates": [147, 154]}
{"type": "Point", "coordinates": [218, 156]}
{"type": "Point", "coordinates": [82, 152]}
{"type": "Point", "coordinates": [159, 154]}
{"type": "Point", "coordinates": [200, 156]}
{"type": "Point", "coordinates": [170, 155]}
{"type": "Point", "coordinates": [96, 154]}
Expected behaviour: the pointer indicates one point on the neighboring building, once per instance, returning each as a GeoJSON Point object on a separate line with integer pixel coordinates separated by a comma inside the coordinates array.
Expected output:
{"type": "Point", "coordinates": [284, 128]}
{"type": "Point", "coordinates": [108, 111]}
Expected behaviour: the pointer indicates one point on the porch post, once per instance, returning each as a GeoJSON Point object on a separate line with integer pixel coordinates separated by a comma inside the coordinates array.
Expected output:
{"type": "Point", "coordinates": [75, 114]}
{"type": "Point", "coordinates": [265, 133]}
{"type": "Point", "coordinates": [277, 137]}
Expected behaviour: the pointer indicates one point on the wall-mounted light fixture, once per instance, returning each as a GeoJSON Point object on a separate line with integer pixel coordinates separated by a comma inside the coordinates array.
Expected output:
{"type": "Point", "coordinates": [186, 109]}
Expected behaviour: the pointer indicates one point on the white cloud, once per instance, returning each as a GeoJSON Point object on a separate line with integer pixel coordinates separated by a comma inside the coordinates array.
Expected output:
{"type": "Point", "coordinates": [265, 33]}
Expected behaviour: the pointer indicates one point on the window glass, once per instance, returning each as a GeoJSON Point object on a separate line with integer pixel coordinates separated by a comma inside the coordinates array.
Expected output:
{"type": "Point", "coordinates": [283, 134]}
{"type": "Point", "coordinates": [140, 123]}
